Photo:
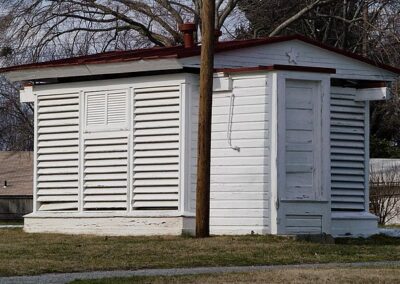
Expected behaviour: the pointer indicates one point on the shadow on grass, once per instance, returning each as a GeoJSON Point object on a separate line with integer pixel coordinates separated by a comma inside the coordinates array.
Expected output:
{"type": "Point", "coordinates": [12, 222]}
{"type": "Point", "coordinates": [375, 240]}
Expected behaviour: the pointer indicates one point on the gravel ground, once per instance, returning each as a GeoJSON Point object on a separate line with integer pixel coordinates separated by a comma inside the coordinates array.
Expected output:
{"type": "Point", "coordinates": [57, 278]}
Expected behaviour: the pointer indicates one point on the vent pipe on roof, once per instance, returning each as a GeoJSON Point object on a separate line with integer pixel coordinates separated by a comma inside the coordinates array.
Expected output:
{"type": "Point", "coordinates": [217, 34]}
{"type": "Point", "coordinates": [188, 29]}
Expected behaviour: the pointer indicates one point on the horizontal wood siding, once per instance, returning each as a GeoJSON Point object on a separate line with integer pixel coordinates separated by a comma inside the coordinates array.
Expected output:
{"type": "Point", "coordinates": [307, 224]}
{"type": "Point", "coordinates": [239, 178]}
{"type": "Point", "coordinates": [348, 136]}
{"type": "Point", "coordinates": [156, 149]}
{"type": "Point", "coordinates": [57, 152]}
{"type": "Point", "coordinates": [308, 55]}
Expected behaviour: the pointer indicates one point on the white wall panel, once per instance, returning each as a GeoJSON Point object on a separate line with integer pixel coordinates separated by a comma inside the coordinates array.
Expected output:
{"type": "Point", "coordinates": [156, 148]}
{"type": "Point", "coordinates": [240, 180]}
{"type": "Point", "coordinates": [105, 178]}
{"type": "Point", "coordinates": [57, 152]}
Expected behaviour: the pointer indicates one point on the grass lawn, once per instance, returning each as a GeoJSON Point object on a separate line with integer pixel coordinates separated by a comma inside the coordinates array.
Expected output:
{"type": "Point", "coordinates": [337, 275]}
{"type": "Point", "coordinates": [22, 253]}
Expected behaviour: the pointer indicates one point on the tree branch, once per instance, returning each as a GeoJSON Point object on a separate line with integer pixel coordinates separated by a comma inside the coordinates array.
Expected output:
{"type": "Point", "coordinates": [298, 15]}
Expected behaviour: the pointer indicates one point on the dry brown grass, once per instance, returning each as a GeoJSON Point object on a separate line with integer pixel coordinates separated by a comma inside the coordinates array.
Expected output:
{"type": "Point", "coordinates": [333, 275]}
{"type": "Point", "coordinates": [22, 253]}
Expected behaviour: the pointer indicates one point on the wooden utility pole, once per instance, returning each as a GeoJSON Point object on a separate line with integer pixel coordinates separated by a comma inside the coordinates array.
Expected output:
{"type": "Point", "coordinates": [205, 108]}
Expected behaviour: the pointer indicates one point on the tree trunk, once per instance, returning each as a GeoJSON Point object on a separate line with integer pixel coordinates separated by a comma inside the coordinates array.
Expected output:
{"type": "Point", "coordinates": [205, 107]}
{"type": "Point", "coordinates": [365, 29]}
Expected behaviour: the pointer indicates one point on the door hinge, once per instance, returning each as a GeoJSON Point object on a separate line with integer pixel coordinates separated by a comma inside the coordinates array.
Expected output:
{"type": "Point", "coordinates": [277, 204]}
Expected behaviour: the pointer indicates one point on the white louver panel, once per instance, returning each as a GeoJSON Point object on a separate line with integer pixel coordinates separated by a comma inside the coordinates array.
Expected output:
{"type": "Point", "coordinates": [57, 152]}
{"type": "Point", "coordinates": [156, 149]}
{"type": "Point", "coordinates": [105, 173]}
{"type": "Point", "coordinates": [117, 108]}
{"type": "Point", "coordinates": [347, 150]}
{"type": "Point", "coordinates": [95, 109]}
{"type": "Point", "coordinates": [107, 110]}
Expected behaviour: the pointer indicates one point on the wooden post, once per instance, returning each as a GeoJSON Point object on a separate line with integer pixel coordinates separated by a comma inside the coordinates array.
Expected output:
{"type": "Point", "coordinates": [205, 107]}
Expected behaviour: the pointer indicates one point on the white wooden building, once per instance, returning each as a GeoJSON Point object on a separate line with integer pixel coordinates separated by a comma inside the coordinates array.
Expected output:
{"type": "Point", "coordinates": [116, 138]}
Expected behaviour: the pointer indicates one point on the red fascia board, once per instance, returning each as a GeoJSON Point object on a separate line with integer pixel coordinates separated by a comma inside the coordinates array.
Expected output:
{"type": "Point", "coordinates": [277, 67]}
{"type": "Point", "coordinates": [373, 84]}
{"type": "Point", "coordinates": [181, 52]}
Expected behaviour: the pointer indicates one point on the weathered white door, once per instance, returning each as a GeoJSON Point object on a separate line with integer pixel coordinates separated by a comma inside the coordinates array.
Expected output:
{"type": "Point", "coordinates": [302, 208]}
{"type": "Point", "coordinates": [302, 145]}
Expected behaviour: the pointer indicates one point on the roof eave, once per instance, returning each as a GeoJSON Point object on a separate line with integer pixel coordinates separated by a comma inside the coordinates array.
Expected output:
{"type": "Point", "coordinates": [31, 74]}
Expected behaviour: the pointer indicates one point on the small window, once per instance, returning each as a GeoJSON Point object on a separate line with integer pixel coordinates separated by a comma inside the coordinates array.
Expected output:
{"type": "Point", "coordinates": [106, 110]}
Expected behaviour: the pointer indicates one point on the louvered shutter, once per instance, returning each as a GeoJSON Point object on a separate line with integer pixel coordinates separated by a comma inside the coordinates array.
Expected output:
{"type": "Point", "coordinates": [106, 173]}
{"type": "Point", "coordinates": [117, 108]}
{"type": "Point", "coordinates": [57, 152]}
{"type": "Point", "coordinates": [105, 178]}
{"type": "Point", "coordinates": [347, 150]}
{"type": "Point", "coordinates": [95, 109]}
{"type": "Point", "coordinates": [156, 148]}
{"type": "Point", "coordinates": [106, 110]}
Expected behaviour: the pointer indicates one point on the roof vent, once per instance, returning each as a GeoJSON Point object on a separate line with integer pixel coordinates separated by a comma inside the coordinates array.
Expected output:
{"type": "Point", "coordinates": [188, 29]}
{"type": "Point", "coordinates": [217, 34]}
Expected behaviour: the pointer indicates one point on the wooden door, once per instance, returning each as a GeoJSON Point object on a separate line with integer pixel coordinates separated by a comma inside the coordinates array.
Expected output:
{"type": "Point", "coordinates": [302, 140]}
{"type": "Point", "coordinates": [302, 208]}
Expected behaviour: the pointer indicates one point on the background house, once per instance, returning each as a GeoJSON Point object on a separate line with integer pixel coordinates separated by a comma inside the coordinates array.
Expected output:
{"type": "Point", "coordinates": [385, 190]}
{"type": "Point", "coordinates": [16, 184]}
{"type": "Point", "coordinates": [116, 139]}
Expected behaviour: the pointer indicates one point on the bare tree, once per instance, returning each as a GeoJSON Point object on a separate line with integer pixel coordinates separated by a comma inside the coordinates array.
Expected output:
{"type": "Point", "coordinates": [16, 120]}
{"type": "Point", "coordinates": [348, 24]}
{"type": "Point", "coordinates": [37, 30]}
{"type": "Point", "coordinates": [385, 192]}
{"type": "Point", "coordinates": [43, 29]}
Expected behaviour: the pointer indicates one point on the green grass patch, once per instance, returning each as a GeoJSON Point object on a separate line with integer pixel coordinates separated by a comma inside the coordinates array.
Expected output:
{"type": "Point", "coordinates": [22, 253]}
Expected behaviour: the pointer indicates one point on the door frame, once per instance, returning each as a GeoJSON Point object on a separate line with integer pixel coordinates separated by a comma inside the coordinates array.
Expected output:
{"type": "Point", "coordinates": [278, 121]}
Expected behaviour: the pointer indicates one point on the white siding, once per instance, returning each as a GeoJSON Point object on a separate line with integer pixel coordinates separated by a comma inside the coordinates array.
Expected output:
{"type": "Point", "coordinates": [239, 179]}
{"type": "Point", "coordinates": [308, 55]}
{"type": "Point", "coordinates": [105, 150]}
{"type": "Point", "coordinates": [348, 150]}
{"type": "Point", "coordinates": [57, 152]}
{"type": "Point", "coordinates": [156, 148]}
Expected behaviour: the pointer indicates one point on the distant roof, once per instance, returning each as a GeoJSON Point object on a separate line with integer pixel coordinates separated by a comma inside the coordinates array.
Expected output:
{"type": "Point", "coordinates": [181, 52]}
{"type": "Point", "coordinates": [17, 169]}
{"type": "Point", "coordinates": [384, 165]}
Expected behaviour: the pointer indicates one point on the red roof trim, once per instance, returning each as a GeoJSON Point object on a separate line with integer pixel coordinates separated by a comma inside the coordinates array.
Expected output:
{"type": "Point", "coordinates": [277, 67]}
{"type": "Point", "coordinates": [181, 52]}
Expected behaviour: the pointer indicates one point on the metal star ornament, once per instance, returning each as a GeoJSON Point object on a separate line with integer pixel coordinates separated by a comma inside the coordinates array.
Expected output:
{"type": "Point", "coordinates": [293, 56]}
